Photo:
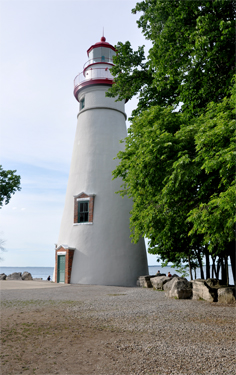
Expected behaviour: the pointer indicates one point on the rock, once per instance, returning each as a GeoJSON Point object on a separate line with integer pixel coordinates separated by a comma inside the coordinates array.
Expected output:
{"type": "Point", "coordinates": [178, 287]}
{"type": "Point", "coordinates": [160, 274]}
{"type": "Point", "coordinates": [214, 283]}
{"type": "Point", "coordinates": [201, 290]}
{"type": "Point", "coordinates": [226, 295]}
{"type": "Point", "coordinates": [14, 276]}
{"type": "Point", "coordinates": [157, 282]}
{"type": "Point", "coordinates": [144, 281]}
{"type": "Point", "coordinates": [27, 276]}
{"type": "Point", "coordinates": [3, 276]}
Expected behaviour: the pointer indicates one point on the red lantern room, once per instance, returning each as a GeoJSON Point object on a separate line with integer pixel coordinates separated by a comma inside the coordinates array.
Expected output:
{"type": "Point", "coordinates": [96, 70]}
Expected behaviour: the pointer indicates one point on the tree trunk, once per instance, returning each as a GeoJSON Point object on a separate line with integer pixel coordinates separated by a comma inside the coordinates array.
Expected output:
{"type": "Point", "coordinates": [190, 268]}
{"type": "Point", "coordinates": [195, 273]}
{"type": "Point", "coordinates": [218, 268]}
{"type": "Point", "coordinates": [213, 269]}
{"type": "Point", "coordinates": [200, 264]}
{"type": "Point", "coordinates": [207, 265]}
{"type": "Point", "coordinates": [227, 271]}
{"type": "Point", "coordinates": [233, 263]}
{"type": "Point", "coordinates": [223, 271]}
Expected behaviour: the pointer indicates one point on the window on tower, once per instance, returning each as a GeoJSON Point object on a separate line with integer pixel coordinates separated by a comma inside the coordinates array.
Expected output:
{"type": "Point", "coordinates": [83, 212]}
{"type": "Point", "coordinates": [83, 208]}
{"type": "Point", "coordinates": [82, 103]}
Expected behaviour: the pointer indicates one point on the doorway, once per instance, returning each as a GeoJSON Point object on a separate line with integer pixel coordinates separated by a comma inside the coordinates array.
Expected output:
{"type": "Point", "coordinates": [61, 263]}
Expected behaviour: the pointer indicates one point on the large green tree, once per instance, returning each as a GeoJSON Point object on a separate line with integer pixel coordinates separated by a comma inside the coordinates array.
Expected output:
{"type": "Point", "coordinates": [214, 217]}
{"type": "Point", "coordinates": [9, 184]}
{"type": "Point", "coordinates": [192, 59]}
{"type": "Point", "coordinates": [179, 185]}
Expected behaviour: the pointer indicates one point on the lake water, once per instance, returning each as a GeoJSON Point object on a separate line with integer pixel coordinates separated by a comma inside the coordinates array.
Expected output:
{"type": "Point", "coordinates": [44, 272]}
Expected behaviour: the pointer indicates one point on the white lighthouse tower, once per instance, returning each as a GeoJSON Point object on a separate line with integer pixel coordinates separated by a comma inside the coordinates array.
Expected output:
{"type": "Point", "coordinates": [94, 245]}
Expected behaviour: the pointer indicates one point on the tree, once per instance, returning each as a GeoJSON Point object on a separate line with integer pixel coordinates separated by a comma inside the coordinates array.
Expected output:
{"type": "Point", "coordinates": [9, 184]}
{"type": "Point", "coordinates": [166, 168]}
{"type": "Point", "coordinates": [214, 218]}
{"type": "Point", "coordinates": [162, 195]}
{"type": "Point", "coordinates": [192, 59]}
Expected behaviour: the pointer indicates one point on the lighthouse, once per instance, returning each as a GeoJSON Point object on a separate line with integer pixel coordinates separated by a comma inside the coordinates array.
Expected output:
{"type": "Point", "coordinates": [94, 245]}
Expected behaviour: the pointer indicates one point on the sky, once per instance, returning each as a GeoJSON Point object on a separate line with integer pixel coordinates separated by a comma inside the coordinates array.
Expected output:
{"type": "Point", "coordinates": [43, 47]}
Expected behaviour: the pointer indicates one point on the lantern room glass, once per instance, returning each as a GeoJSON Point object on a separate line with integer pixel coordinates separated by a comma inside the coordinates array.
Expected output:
{"type": "Point", "coordinates": [101, 54]}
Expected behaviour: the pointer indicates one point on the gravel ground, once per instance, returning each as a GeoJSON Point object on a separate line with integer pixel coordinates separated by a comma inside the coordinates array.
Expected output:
{"type": "Point", "coordinates": [79, 329]}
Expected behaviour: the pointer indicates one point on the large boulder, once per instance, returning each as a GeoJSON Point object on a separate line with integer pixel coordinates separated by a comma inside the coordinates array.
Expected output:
{"type": "Point", "coordinates": [27, 276]}
{"type": "Point", "coordinates": [14, 276]}
{"type": "Point", "coordinates": [160, 274]}
{"type": "Point", "coordinates": [144, 281]}
{"type": "Point", "coordinates": [157, 282]}
{"type": "Point", "coordinates": [201, 290]}
{"type": "Point", "coordinates": [214, 283]}
{"type": "Point", "coordinates": [226, 295]}
{"type": "Point", "coordinates": [3, 276]}
{"type": "Point", "coordinates": [178, 287]}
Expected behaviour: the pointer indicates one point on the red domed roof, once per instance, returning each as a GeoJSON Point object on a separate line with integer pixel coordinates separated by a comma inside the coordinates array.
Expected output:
{"type": "Point", "coordinates": [102, 43]}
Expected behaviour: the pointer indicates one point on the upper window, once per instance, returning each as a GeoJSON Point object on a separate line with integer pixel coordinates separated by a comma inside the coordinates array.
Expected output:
{"type": "Point", "coordinates": [82, 103]}
{"type": "Point", "coordinates": [83, 208]}
{"type": "Point", "coordinates": [83, 212]}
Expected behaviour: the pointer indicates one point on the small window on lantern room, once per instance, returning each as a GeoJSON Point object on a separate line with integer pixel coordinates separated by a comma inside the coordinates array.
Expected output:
{"type": "Point", "coordinates": [111, 54]}
{"type": "Point", "coordinates": [82, 103]}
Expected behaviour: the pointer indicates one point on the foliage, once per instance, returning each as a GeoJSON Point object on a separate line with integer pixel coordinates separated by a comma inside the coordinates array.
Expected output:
{"type": "Point", "coordinates": [147, 166]}
{"type": "Point", "coordinates": [191, 60]}
{"type": "Point", "coordinates": [215, 139]}
{"type": "Point", "coordinates": [178, 167]}
{"type": "Point", "coordinates": [180, 174]}
{"type": "Point", "coordinates": [9, 184]}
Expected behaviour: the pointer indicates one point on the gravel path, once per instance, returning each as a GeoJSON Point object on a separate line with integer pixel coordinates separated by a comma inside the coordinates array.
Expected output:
{"type": "Point", "coordinates": [103, 330]}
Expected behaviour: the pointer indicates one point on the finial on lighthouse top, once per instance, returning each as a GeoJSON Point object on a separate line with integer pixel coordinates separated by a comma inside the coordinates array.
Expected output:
{"type": "Point", "coordinates": [103, 39]}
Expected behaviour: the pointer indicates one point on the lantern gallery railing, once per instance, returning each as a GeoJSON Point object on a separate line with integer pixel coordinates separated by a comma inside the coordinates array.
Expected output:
{"type": "Point", "coordinates": [92, 74]}
{"type": "Point", "coordinates": [101, 59]}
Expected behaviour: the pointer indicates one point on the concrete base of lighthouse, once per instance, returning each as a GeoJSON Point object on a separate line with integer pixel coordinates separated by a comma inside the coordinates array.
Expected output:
{"type": "Point", "coordinates": [88, 268]}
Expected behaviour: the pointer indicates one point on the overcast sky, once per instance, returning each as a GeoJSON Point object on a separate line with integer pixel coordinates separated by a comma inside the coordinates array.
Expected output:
{"type": "Point", "coordinates": [43, 47]}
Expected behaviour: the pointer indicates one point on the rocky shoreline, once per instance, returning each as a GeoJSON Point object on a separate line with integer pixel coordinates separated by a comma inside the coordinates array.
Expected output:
{"type": "Point", "coordinates": [210, 290]}
{"type": "Point", "coordinates": [16, 276]}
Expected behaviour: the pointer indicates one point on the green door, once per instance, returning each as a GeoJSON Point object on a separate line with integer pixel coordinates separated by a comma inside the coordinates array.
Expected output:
{"type": "Point", "coordinates": [61, 268]}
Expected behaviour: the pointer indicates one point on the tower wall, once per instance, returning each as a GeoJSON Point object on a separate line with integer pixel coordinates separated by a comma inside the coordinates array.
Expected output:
{"type": "Point", "coordinates": [103, 253]}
